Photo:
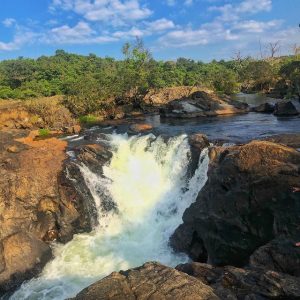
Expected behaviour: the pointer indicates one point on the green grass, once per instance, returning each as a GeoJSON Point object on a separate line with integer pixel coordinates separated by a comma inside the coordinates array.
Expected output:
{"type": "Point", "coordinates": [43, 132]}
{"type": "Point", "coordinates": [88, 119]}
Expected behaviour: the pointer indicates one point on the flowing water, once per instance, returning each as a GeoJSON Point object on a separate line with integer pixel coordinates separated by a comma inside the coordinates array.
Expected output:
{"type": "Point", "coordinates": [147, 180]}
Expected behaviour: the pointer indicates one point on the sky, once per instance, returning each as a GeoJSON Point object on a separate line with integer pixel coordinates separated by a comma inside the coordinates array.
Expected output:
{"type": "Point", "coordinates": [197, 29]}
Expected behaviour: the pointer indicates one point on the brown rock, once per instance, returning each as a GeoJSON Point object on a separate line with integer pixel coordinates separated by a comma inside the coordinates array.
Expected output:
{"type": "Point", "coordinates": [290, 140]}
{"type": "Point", "coordinates": [151, 281]}
{"type": "Point", "coordinates": [13, 149]}
{"type": "Point", "coordinates": [234, 283]}
{"type": "Point", "coordinates": [197, 143]}
{"type": "Point", "coordinates": [280, 255]}
{"type": "Point", "coordinates": [264, 108]}
{"type": "Point", "coordinates": [24, 256]}
{"type": "Point", "coordinates": [246, 202]}
{"type": "Point", "coordinates": [33, 200]}
{"type": "Point", "coordinates": [285, 109]}
{"type": "Point", "coordinates": [140, 127]}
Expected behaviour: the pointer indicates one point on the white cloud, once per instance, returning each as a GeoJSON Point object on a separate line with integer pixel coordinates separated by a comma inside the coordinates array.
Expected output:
{"type": "Point", "coordinates": [160, 25]}
{"type": "Point", "coordinates": [9, 22]}
{"type": "Point", "coordinates": [188, 2]}
{"type": "Point", "coordinates": [113, 12]}
{"type": "Point", "coordinates": [253, 26]}
{"type": "Point", "coordinates": [230, 12]}
{"type": "Point", "coordinates": [229, 25]}
{"type": "Point", "coordinates": [20, 39]}
{"type": "Point", "coordinates": [81, 33]}
{"type": "Point", "coordinates": [206, 34]}
{"type": "Point", "coordinates": [171, 2]}
{"type": "Point", "coordinates": [149, 28]}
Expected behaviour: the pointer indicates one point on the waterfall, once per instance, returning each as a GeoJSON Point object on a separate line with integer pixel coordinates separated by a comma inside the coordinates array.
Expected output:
{"type": "Point", "coordinates": [147, 180]}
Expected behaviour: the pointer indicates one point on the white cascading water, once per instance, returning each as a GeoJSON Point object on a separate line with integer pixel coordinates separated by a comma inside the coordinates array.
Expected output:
{"type": "Point", "coordinates": [147, 180]}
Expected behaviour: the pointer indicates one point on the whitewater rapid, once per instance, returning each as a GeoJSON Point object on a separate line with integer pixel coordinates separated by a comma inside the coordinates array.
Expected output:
{"type": "Point", "coordinates": [147, 180]}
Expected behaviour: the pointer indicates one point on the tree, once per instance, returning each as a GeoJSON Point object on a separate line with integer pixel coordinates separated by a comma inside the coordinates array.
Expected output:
{"type": "Point", "coordinates": [291, 73]}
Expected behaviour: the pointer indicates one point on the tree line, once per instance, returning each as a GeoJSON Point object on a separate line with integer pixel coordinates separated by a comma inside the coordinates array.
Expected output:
{"type": "Point", "coordinates": [91, 82]}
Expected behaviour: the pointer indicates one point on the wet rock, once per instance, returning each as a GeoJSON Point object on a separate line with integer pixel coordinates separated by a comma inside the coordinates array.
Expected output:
{"type": "Point", "coordinates": [94, 156]}
{"type": "Point", "coordinates": [280, 255]}
{"type": "Point", "coordinates": [184, 239]}
{"type": "Point", "coordinates": [151, 281]}
{"type": "Point", "coordinates": [264, 108]}
{"type": "Point", "coordinates": [234, 283]}
{"type": "Point", "coordinates": [247, 201]}
{"type": "Point", "coordinates": [285, 109]}
{"type": "Point", "coordinates": [137, 128]}
{"type": "Point", "coordinates": [23, 256]}
{"type": "Point", "coordinates": [197, 143]}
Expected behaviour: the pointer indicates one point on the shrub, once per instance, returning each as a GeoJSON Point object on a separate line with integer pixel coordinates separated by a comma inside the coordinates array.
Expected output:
{"type": "Point", "coordinates": [6, 92]}
{"type": "Point", "coordinates": [88, 119]}
{"type": "Point", "coordinates": [44, 132]}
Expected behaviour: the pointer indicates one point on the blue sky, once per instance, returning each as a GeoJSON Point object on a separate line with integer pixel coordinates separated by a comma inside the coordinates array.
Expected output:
{"type": "Point", "coordinates": [198, 29]}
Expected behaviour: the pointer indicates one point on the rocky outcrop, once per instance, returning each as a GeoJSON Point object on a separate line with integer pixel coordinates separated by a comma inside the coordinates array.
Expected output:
{"type": "Point", "coordinates": [280, 255]}
{"type": "Point", "coordinates": [264, 108]}
{"type": "Point", "coordinates": [151, 281]}
{"type": "Point", "coordinates": [193, 281]}
{"type": "Point", "coordinates": [290, 140]}
{"type": "Point", "coordinates": [285, 108]}
{"type": "Point", "coordinates": [37, 206]}
{"type": "Point", "coordinates": [37, 113]}
{"type": "Point", "coordinates": [235, 283]}
{"type": "Point", "coordinates": [247, 201]}
{"type": "Point", "coordinates": [166, 95]}
{"type": "Point", "coordinates": [202, 104]}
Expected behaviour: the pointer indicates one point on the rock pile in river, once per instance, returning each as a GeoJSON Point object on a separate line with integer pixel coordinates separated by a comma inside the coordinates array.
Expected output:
{"type": "Point", "coordinates": [202, 104]}
{"type": "Point", "coordinates": [285, 108]}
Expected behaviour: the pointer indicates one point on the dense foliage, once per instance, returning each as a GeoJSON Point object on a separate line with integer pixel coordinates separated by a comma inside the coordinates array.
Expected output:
{"type": "Point", "coordinates": [91, 82]}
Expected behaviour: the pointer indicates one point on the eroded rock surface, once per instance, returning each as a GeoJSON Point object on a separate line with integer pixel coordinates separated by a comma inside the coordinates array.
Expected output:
{"type": "Point", "coordinates": [247, 201]}
{"type": "Point", "coordinates": [151, 281]}
{"type": "Point", "coordinates": [36, 204]}
{"type": "Point", "coordinates": [235, 283]}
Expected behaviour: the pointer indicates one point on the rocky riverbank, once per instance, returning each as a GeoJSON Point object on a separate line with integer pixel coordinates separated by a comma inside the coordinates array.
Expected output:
{"type": "Point", "coordinates": [246, 218]}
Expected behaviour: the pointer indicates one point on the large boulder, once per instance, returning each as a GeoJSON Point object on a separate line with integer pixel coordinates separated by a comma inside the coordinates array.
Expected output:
{"type": "Point", "coordinates": [280, 255]}
{"type": "Point", "coordinates": [264, 108]}
{"type": "Point", "coordinates": [235, 283]}
{"type": "Point", "coordinates": [151, 281]}
{"type": "Point", "coordinates": [201, 104]}
{"type": "Point", "coordinates": [284, 108]}
{"type": "Point", "coordinates": [247, 201]}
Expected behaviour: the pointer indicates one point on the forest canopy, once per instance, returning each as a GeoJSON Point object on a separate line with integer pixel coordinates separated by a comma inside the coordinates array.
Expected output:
{"type": "Point", "coordinates": [90, 81]}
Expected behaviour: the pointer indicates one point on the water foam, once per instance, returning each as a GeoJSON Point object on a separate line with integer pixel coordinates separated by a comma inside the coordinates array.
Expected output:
{"type": "Point", "coordinates": [146, 178]}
